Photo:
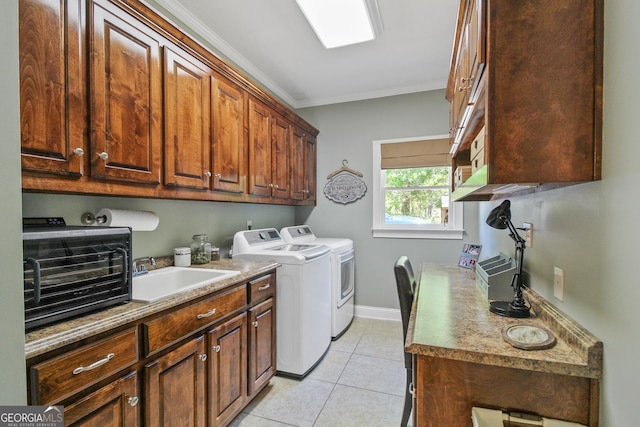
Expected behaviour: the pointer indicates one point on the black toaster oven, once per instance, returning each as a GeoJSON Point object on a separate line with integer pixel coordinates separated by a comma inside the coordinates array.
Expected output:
{"type": "Point", "coordinates": [74, 270]}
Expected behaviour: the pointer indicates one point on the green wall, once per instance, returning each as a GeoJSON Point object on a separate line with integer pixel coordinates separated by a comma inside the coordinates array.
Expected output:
{"type": "Point", "coordinates": [12, 372]}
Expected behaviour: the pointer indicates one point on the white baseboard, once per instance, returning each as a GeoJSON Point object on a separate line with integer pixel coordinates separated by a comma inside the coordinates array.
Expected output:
{"type": "Point", "coordinates": [377, 312]}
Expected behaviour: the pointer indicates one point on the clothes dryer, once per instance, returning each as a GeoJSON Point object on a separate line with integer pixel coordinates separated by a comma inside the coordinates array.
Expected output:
{"type": "Point", "coordinates": [342, 273]}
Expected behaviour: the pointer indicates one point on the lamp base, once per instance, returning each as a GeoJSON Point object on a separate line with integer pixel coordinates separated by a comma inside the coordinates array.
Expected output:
{"type": "Point", "coordinates": [509, 309]}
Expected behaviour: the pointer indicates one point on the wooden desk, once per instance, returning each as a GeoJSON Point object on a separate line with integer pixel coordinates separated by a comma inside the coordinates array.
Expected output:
{"type": "Point", "coordinates": [461, 359]}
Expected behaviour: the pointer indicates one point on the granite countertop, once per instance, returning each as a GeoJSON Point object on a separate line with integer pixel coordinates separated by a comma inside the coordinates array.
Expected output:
{"type": "Point", "coordinates": [450, 319]}
{"type": "Point", "coordinates": [58, 335]}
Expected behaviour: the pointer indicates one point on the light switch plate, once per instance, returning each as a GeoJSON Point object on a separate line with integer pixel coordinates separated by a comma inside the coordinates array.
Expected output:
{"type": "Point", "coordinates": [558, 283]}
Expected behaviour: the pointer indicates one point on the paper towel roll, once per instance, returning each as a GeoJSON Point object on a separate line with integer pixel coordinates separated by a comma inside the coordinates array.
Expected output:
{"type": "Point", "coordinates": [137, 220]}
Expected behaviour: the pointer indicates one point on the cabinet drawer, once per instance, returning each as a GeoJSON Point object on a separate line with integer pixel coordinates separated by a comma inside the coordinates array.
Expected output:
{"type": "Point", "coordinates": [262, 288]}
{"type": "Point", "coordinates": [165, 330]}
{"type": "Point", "coordinates": [62, 376]}
{"type": "Point", "coordinates": [478, 161]}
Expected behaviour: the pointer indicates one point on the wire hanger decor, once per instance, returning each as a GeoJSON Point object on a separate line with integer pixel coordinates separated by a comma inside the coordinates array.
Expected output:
{"type": "Point", "coordinates": [345, 185]}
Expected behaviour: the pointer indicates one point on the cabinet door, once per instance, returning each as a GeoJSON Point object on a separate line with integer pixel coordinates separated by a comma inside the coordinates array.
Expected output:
{"type": "Point", "coordinates": [262, 345]}
{"type": "Point", "coordinates": [126, 94]}
{"type": "Point", "coordinates": [310, 170]}
{"type": "Point", "coordinates": [115, 404]}
{"type": "Point", "coordinates": [259, 149]}
{"type": "Point", "coordinates": [52, 110]}
{"type": "Point", "coordinates": [229, 157]}
{"type": "Point", "coordinates": [280, 162]}
{"type": "Point", "coordinates": [298, 164]}
{"type": "Point", "coordinates": [174, 387]}
{"type": "Point", "coordinates": [187, 121]}
{"type": "Point", "coordinates": [227, 370]}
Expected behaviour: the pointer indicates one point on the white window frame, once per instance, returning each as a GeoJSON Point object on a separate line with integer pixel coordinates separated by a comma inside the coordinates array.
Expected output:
{"type": "Point", "coordinates": [453, 230]}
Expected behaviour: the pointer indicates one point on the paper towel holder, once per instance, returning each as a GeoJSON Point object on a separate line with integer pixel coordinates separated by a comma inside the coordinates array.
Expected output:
{"type": "Point", "coordinates": [88, 218]}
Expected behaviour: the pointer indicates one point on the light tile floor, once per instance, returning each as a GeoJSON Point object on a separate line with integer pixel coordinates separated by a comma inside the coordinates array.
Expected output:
{"type": "Point", "coordinates": [360, 382]}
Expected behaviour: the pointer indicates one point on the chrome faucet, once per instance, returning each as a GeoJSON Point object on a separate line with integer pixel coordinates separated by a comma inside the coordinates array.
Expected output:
{"type": "Point", "coordinates": [142, 269]}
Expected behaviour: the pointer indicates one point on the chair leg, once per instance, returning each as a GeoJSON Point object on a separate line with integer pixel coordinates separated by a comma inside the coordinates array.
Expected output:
{"type": "Point", "coordinates": [408, 400]}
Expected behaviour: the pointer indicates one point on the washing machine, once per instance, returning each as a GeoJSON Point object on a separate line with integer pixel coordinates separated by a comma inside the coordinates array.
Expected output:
{"type": "Point", "coordinates": [342, 273]}
{"type": "Point", "coordinates": [303, 296]}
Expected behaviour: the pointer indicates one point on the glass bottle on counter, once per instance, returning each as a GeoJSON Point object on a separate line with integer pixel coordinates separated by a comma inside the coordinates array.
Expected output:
{"type": "Point", "coordinates": [200, 249]}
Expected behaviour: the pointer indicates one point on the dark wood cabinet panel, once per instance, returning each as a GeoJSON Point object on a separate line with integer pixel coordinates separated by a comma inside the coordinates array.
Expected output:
{"type": "Point", "coordinates": [280, 161]}
{"type": "Point", "coordinates": [125, 97]}
{"type": "Point", "coordinates": [227, 370]}
{"type": "Point", "coordinates": [303, 166]}
{"type": "Point", "coordinates": [187, 121]}
{"type": "Point", "coordinates": [262, 345]}
{"type": "Point", "coordinates": [259, 149]}
{"type": "Point", "coordinates": [52, 95]}
{"type": "Point", "coordinates": [310, 168]}
{"type": "Point", "coordinates": [113, 405]}
{"type": "Point", "coordinates": [229, 147]}
{"type": "Point", "coordinates": [174, 387]}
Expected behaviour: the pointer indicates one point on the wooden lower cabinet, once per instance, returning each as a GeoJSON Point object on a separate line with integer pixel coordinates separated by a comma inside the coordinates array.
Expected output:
{"type": "Point", "coordinates": [195, 365]}
{"type": "Point", "coordinates": [227, 370]}
{"type": "Point", "coordinates": [174, 387]}
{"type": "Point", "coordinates": [262, 347]}
{"type": "Point", "coordinates": [115, 404]}
{"type": "Point", "coordinates": [446, 390]}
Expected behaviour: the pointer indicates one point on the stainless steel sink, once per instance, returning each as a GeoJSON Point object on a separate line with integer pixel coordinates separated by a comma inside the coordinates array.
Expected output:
{"type": "Point", "coordinates": [168, 281]}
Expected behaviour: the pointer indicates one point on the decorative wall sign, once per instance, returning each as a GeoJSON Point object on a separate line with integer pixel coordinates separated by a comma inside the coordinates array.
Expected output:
{"type": "Point", "coordinates": [345, 185]}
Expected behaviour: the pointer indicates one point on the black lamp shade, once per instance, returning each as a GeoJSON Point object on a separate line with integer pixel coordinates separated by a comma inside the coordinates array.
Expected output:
{"type": "Point", "coordinates": [500, 216]}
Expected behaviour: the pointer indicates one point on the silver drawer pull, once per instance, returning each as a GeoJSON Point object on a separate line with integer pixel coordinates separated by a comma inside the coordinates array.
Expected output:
{"type": "Point", "coordinates": [216, 348]}
{"type": "Point", "coordinates": [207, 314]}
{"type": "Point", "coordinates": [100, 362]}
{"type": "Point", "coordinates": [202, 357]}
{"type": "Point", "coordinates": [262, 288]}
{"type": "Point", "coordinates": [255, 323]}
{"type": "Point", "coordinates": [133, 401]}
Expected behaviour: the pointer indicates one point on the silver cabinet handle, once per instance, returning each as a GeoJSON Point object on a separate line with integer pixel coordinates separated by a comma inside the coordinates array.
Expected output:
{"type": "Point", "coordinates": [207, 174]}
{"type": "Point", "coordinates": [276, 186]}
{"type": "Point", "coordinates": [78, 152]}
{"type": "Point", "coordinates": [218, 175]}
{"type": "Point", "coordinates": [207, 314]}
{"type": "Point", "coordinates": [262, 288]}
{"type": "Point", "coordinates": [271, 185]}
{"type": "Point", "coordinates": [103, 155]}
{"type": "Point", "coordinates": [216, 348]}
{"type": "Point", "coordinates": [255, 324]}
{"type": "Point", "coordinates": [133, 400]}
{"type": "Point", "coordinates": [202, 357]}
{"type": "Point", "coordinates": [94, 365]}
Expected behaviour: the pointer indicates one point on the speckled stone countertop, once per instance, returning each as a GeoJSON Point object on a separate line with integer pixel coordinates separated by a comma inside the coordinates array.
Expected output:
{"type": "Point", "coordinates": [451, 319]}
{"type": "Point", "coordinates": [58, 335]}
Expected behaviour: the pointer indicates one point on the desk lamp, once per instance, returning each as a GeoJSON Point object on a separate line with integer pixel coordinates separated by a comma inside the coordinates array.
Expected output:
{"type": "Point", "coordinates": [500, 218]}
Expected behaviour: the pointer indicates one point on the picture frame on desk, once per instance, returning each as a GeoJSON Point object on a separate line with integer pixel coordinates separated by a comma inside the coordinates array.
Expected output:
{"type": "Point", "coordinates": [469, 255]}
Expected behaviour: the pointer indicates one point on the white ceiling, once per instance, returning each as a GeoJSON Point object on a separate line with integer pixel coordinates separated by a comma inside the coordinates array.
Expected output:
{"type": "Point", "coordinates": [272, 41]}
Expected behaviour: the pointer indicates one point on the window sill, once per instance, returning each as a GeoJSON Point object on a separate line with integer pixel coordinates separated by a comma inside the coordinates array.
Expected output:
{"type": "Point", "coordinates": [407, 233]}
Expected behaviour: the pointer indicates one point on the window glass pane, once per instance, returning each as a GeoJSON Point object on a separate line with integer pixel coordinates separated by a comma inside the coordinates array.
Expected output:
{"type": "Point", "coordinates": [415, 207]}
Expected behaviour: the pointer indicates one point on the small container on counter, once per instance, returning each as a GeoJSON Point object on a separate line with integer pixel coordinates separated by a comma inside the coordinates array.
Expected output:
{"type": "Point", "coordinates": [182, 257]}
{"type": "Point", "coordinates": [200, 249]}
{"type": "Point", "coordinates": [215, 253]}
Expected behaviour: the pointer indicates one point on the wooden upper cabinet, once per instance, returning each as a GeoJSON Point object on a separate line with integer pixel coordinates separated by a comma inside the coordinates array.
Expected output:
{"type": "Point", "coordinates": [126, 97]}
{"type": "Point", "coordinates": [229, 148]}
{"type": "Point", "coordinates": [531, 76]}
{"type": "Point", "coordinates": [280, 161]}
{"type": "Point", "coordinates": [303, 165]}
{"type": "Point", "coordinates": [187, 121]}
{"type": "Point", "coordinates": [52, 95]}
{"type": "Point", "coordinates": [259, 149]}
{"type": "Point", "coordinates": [310, 168]}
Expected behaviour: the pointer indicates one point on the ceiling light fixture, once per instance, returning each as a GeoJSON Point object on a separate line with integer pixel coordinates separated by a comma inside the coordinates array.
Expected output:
{"type": "Point", "coordinates": [342, 22]}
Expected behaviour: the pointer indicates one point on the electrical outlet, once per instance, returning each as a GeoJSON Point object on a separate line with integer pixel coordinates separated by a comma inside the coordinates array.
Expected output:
{"type": "Point", "coordinates": [249, 225]}
{"type": "Point", "coordinates": [558, 283]}
{"type": "Point", "coordinates": [528, 233]}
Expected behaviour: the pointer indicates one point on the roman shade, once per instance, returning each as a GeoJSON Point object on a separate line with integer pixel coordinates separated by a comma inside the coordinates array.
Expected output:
{"type": "Point", "coordinates": [415, 154]}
